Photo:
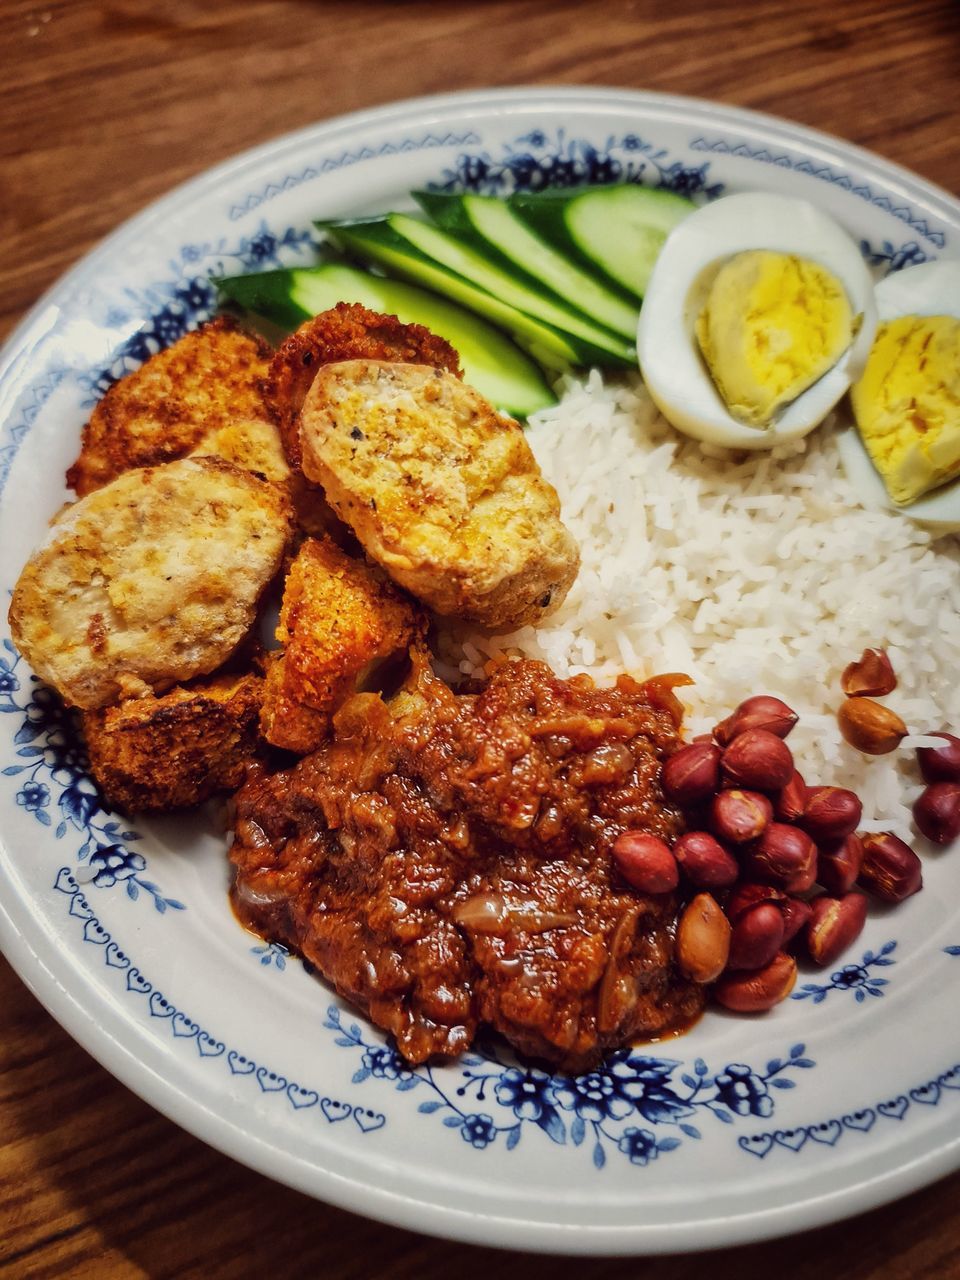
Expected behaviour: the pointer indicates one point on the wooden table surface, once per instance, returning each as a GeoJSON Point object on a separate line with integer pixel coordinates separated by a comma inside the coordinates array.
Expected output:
{"type": "Point", "coordinates": [104, 107]}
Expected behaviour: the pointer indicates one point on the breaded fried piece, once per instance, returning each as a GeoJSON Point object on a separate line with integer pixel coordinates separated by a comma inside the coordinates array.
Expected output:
{"type": "Point", "coordinates": [284, 721]}
{"type": "Point", "coordinates": [250, 443]}
{"type": "Point", "coordinates": [150, 581]}
{"type": "Point", "coordinates": [209, 379]}
{"type": "Point", "coordinates": [158, 753]}
{"type": "Point", "coordinates": [440, 490]}
{"type": "Point", "coordinates": [347, 331]}
{"type": "Point", "coordinates": [339, 618]}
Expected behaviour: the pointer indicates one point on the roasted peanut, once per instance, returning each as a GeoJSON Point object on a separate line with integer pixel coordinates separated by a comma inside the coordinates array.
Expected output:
{"type": "Point", "coordinates": [747, 894]}
{"type": "Point", "coordinates": [830, 813]}
{"type": "Point", "coordinates": [705, 862]}
{"type": "Point", "coordinates": [692, 773]}
{"type": "Point", "coordinates": [786, 856]}
{"type": "Point", "coordinates": [758, 759]}
{"type": "Point", "coordinates": [759, 712]}
{"type": "Point", "coordinates": [940, 764]}
{"type": "Point", "coordinates": [937, 812]}
{"type": "Point", "coordinates": [834, 924]}
{"type": "Point", "coordinates": [646, 862]}
{"type": "Point", "coordinates": [891, 870]}
{"type": "Point", "coordinates": [760, 990]}
{"type": "Point", "coordinates": [788, 804]}
{"type": "Point", "coordinates": [872, 675]}
{"type": "Point", "coordinates": [870, 727]}
{"type": "Point", "coordinates": [795, 914]}
{"type": "Point", "coordinates": [703, 939]}
{"type": "Point", "coordinates": [739, 816]}
{"type": "Point", "coordinates": [756, 937]}
{"type": "Point", "coordinates": [839, 863]}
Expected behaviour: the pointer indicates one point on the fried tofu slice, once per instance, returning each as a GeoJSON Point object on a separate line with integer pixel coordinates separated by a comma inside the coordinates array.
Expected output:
{"type": "Point", "coordinates": [154, 754]}
{"type": "Point", "coordinates": [340, 618]}
{"type": "Point", "coordinates": [150, 581]}
{"type": "Point", "coordinates": [439, 489]}
{"type": "Point", "coordinates": [250, 443]}
{"type": "Point", "coordinates": [210, 380]}
{"type": "Point", "coordinates": [347, 331]}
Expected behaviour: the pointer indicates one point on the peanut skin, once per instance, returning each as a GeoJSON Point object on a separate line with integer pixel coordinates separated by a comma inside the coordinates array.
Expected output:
{"type": "Point", "coordinates": [760, 990]}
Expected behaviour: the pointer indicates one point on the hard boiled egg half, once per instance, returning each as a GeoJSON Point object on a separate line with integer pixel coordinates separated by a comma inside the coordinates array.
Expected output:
{"type": "Point", "coordinates": [758, 316]}
{"type": "Point", "coordinates": [904, 453]}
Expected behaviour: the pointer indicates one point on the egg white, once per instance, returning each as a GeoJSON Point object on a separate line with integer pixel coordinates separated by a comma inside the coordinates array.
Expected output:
{"type": "Point", "coordinates": [673, 369]}
{"type": "Point", "coordinates": [932, 289]}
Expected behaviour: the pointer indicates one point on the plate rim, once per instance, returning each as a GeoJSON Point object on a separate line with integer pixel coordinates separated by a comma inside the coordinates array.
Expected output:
{"type": "Point", "coordinates": [79, 1018]}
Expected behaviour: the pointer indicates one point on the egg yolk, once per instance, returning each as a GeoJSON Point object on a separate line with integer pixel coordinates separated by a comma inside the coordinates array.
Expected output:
{"type": "Point", "coordinates": [773, 324]}
{"type": "Point", "coordinates": [907, 404]}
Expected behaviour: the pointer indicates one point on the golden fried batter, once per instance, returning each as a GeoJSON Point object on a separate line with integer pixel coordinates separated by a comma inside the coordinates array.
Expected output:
{"type": "Point", "coordinates": [210, 379]}
{"type": "Point", "coordinates": [440, 490]}
{"type": "Point", "coordinates": [284, 721]}
{"type": "Point", "coordinates": [347, 331]}
{"type": "Point", "coordinates": [250, 443]}
{"type": "Point", "coordinates": [339, 619]}
{"type": "Point", "coordinates": [150, 581]}
{"type": "Point", "coordinates": [154, 754]}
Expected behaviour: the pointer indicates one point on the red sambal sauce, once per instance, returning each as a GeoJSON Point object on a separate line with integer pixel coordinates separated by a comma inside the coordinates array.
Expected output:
{"type": "Point", "coordinates": [445, 861]}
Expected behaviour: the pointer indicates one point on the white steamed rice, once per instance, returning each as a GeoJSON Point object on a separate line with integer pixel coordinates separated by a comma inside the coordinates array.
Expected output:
{"type": "Point", "coordinates": [752, 574]}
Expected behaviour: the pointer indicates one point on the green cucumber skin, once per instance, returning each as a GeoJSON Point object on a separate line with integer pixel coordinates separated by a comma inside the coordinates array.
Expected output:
{"type": "Point", "coordinates": [374, 240]}
{"type": "Point", "coordinates": [548, 213]}
{"type": "Point", "coordinates": [494, 365]}
{"type": "Point", "coordinates": [645, 216]}
{"type": "Point", "coordinates": [478, 269]}
{"type": "Point", "coordinates": [266, 294]}
{"type": "Point", "coordinates": [462, 215]}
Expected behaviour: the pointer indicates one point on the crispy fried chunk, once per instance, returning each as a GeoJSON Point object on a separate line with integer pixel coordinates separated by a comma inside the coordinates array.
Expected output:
{"type": "Point", "coordinates": [284, 721]}
{"type": "Point", "coordinates": [346, 332]}
{"type": "Point", "coordinates": [340, 618]}
{"type": "Point", "coordinates": [209, 379]}
{"type": "Point", "coordinates": [154, 754]}
{"type": "Point", "coordinates": [150, 581]}
{"type": "Point", "coordinates": [440, 489]}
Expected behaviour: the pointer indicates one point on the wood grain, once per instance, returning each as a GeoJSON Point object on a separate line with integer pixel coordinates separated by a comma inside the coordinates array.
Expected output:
{"type": "Point", "coordinates": [104, 107]}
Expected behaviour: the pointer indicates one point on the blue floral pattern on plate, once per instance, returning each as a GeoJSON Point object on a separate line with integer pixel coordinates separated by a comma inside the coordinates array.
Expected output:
{"type": "Point", "coordinates": [52, 773]}
{"type": "Point", "coordinates": [852, 977]}
{"type": "Point", "coordinates": [170, 308]}
{"type": "Point", "coordinates": [608, 1107]}
{"type": "Point", "coordinates": [540, 159]}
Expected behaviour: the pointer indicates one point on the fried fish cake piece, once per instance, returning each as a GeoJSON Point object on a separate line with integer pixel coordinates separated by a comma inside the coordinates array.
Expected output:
{"type": "Point", "coordinates": [340, 618]}
{"type": "Point", "coordinates": [150, 581]}
{"type": "Point", "coordinates": [209, 379]}
{"type": "Point", "coordinates": [347, 331]}
{"type": "Point", "coordinates": [440, 490]}
{"type": "Point", "coordinates": [154, 754]}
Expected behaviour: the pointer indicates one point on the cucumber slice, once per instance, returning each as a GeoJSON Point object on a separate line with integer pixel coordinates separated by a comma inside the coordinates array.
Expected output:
{"type": "Point", "coordinates": [374, 240]}
{"type": "Point", "coordinates": [491, 224]}
{"type": "Point", "coordinates": [457, 255]}
{"type": "Point", "coordinates": [618, 229]}
{"type": "Point", "coordinates": [491, 362]}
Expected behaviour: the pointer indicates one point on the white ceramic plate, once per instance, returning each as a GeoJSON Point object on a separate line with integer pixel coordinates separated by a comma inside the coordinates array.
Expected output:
{"type": "Point", "coordinates": [836, 1101]}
